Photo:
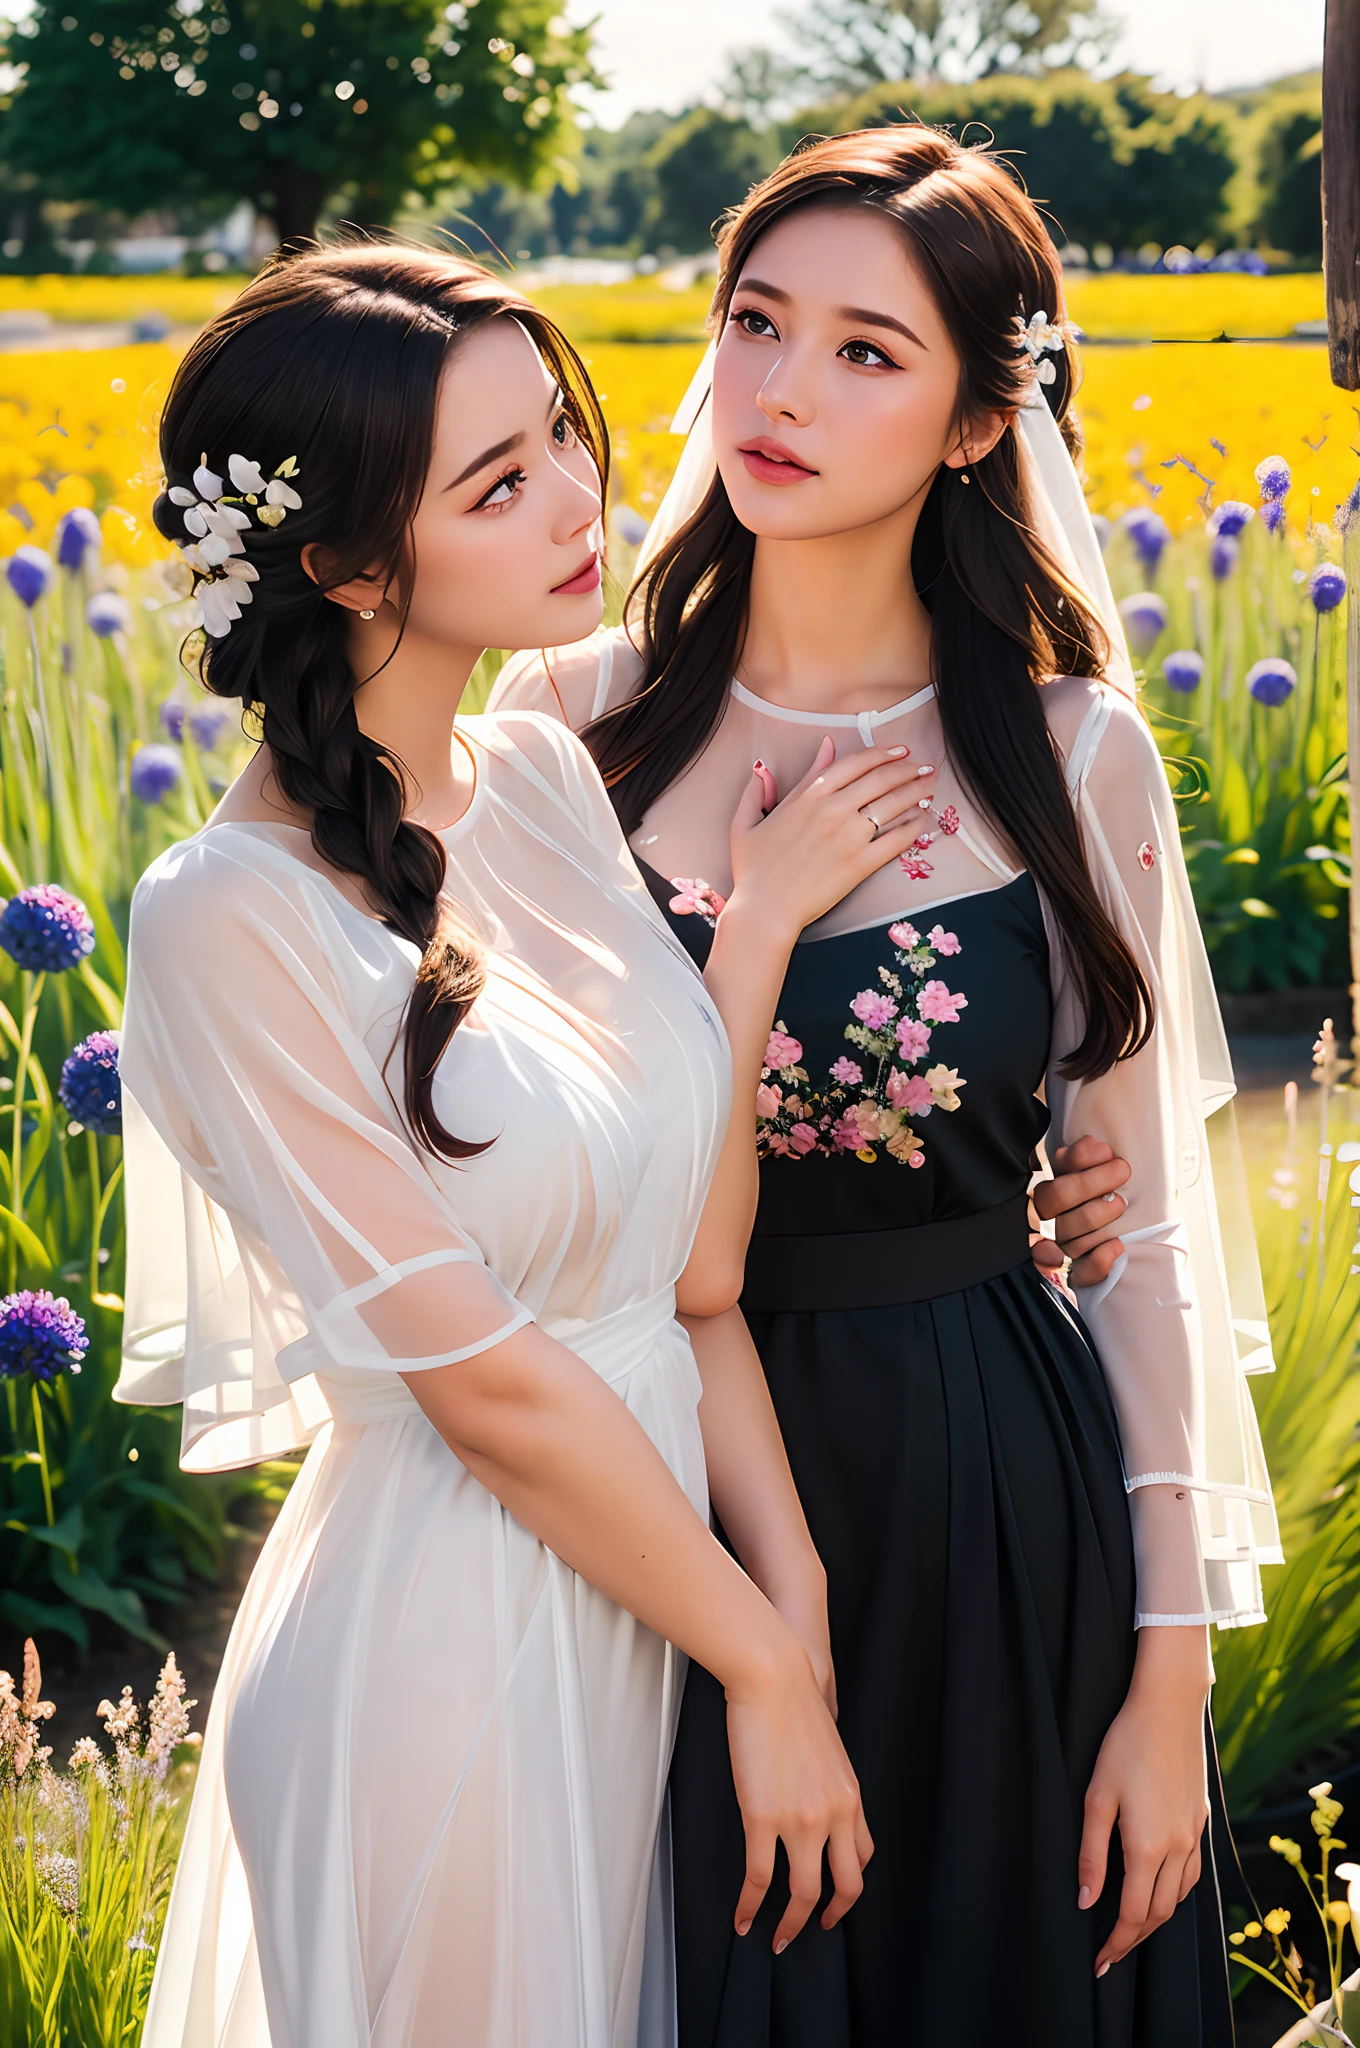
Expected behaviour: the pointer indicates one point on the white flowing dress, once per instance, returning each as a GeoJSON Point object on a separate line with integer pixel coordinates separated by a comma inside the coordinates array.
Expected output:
{"type": "Point", "coordinates": [428, 1806]}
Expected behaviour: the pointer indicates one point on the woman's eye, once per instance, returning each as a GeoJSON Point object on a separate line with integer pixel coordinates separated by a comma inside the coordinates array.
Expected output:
{"type": "Point", "coordinates": [503, 491]}
{"type": "Point", "coordinates": [752, 321]}
{"type": "Point", "coordinates": [564, 430]}
{"type": "Point", "coordinates": [866, 355]}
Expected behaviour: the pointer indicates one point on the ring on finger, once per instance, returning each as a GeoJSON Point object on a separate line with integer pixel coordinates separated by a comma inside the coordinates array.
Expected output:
{"type": "Point", "coordinates": [867, 813]}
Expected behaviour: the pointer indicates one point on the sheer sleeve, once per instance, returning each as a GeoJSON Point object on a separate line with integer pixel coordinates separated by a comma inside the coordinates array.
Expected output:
{"type": "Point", "coordinates": [572, 684]}
{"type": "Point", "coordinates": [312, 1235]}
{"type": "Point", "coordinates": [1174, 1352]}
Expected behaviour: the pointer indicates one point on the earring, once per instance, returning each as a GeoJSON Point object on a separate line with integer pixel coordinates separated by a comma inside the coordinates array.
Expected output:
{"type": "Point", "coordinates": [367, 615]}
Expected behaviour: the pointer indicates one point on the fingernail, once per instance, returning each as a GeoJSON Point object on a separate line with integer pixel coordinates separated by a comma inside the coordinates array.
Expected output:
{"type": "Point", "coordinates": [1083, 1898]}
{"type": "Point", "coordinates": [780, 1946]}
{"type": "Point", "coordinates": [743, 1927]}
{"type": "Point", "coordinates": [757, 767]}
{"type": "Point", "coordinates": [898, 753]}
{"type": "Point", "coordinates": [929, 769]}
{"type": "Point", "coordinates": [1104, 1967]}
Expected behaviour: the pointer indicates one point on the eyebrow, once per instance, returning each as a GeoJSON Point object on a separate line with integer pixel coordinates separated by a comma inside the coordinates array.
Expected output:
{"type": "Point", "coordinates": [861, 315]}
{"type": "Point", "coordinates": [488, 456]}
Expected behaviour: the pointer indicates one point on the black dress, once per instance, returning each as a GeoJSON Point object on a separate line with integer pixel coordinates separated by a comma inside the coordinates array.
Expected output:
{"type": "Point", "coordinates": [956, 1452]}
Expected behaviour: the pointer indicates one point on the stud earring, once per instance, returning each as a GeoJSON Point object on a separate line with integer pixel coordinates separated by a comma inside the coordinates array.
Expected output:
{"type": "Point", "coordinates": [367, 615]}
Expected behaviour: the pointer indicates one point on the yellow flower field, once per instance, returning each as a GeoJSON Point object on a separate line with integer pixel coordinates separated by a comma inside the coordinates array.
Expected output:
{"type": "Point", "coordinates": [78, 426]}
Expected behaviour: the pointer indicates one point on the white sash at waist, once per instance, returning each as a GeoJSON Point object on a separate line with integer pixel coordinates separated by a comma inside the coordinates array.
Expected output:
{"type": "Point", "coordinates": [614, 1345]}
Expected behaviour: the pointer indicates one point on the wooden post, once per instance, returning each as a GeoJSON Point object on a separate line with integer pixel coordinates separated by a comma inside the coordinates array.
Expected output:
{"type": "Point", "coordinates": [1341, 262]}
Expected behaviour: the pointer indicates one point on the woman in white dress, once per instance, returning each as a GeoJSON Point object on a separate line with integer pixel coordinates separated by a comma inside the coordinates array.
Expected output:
{"type": "Point", "coordinates": [423, 1106]}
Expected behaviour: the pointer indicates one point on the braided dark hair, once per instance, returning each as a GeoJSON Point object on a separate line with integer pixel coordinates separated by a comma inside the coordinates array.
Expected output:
{"type": "Point", "coordinates": [335, 357]}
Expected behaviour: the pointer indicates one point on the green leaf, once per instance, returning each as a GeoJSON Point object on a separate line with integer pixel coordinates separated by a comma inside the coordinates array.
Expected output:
{"type": "Point", "coordinates": [119, 1603]}
{"type": "Point", "coordinates": [66, 1534]}
{"type": "Point", "coordinates": [33, 1616]}
{"type": "Point", "coordinates": [31, 1246]}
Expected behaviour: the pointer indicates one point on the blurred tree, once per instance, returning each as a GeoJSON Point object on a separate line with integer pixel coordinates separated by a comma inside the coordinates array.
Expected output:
{"type": "Point", "coordinates": [1289, 174]}
{"type": "Point", "coordinates": [847, 45]}
{"type": "Point", "coordinates": [1108, 161]}
{"type": "Point", "coordinates": [705, 163]}
{"type": "Point", "coordinates": [292, 104]}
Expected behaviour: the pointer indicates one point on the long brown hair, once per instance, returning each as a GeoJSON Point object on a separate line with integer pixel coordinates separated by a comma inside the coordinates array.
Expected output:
{"type": "Point", "coordinates": [1004, 617]}
{"type": "Point", "coordinates": [335, 357]}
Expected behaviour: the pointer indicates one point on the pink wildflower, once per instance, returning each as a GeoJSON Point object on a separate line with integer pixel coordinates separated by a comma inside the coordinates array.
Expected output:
{"type": "Point", "coordinates": [782, 1051]}
{"type": "Point", "coordinates": [941, 941]}
{"type": "Point", "coordinates": [768, 1100]}
{"type": "Point", "coordinates": [913, 1039]}
{"type": "Point", "coordinates": [914, 868]}
{"type": "Point", "coordinates": [910, 1092]}
{"type": "Point", "coordinates": [846, 1072]}
{"type": "Point", "coordinates": [936, 1003]}
{"type": "Point", "coordinates": [904, 935]}
{"type": "Point", "coordinates": [694, 898]}
{"type": "Point", "coordinates": [873, 1010]}
{"type": "Point", "coordinates": [803, 1138]}
{"type": "Point", "coordinates": [916, 1159]}
{"type": "Point", "coordinates": [779, 1145]}
{"type": "Point", "coordinates": [949, 820]}
{"type": "Point", "coordinates": [846, 1134]}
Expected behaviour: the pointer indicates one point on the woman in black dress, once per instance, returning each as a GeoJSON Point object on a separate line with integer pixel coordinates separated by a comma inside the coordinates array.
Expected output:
{"type": "Point", "coordinates": [1027, 1520]}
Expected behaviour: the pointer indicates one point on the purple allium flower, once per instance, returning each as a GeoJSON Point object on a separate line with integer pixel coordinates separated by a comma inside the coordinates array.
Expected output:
{"type": "Point", "coordinates": [207, 723]}
{"type": "Point", "coordinates": [1271, 681]}
{"type": "Point", "coordinates": [1327, 587]}
{"type": "Point", "coordinates": [1183, 669]}
{"type": "Point", "coordinates": [40, 1334]}
{"type": "Point", "coordinates": [107, 614]}
{"type": "Point", "coordinates": [46, 930]}
{"type": "Point", "coordinates": [1348, 511]}
{"type": "Point", "coordinates": [1272, 514]}
{"type": "Point", "coordinates": [154, 772]}
{"type": "Point", "coordinates": [1144, 617]}
{"type": "Point", "coordinates": [1223, 556]}
{"type": "Point", "coordinates": [172, 717]}
{"type": "Point", "coordinates": [90, 1085]}
{"type": "Point", "coordinates": [29, 570]}
{"type": "Point", "coordinates": [77, 532]}
{"type": "Point", "coordinates": [1148, 532]}
{"type": "Point", "coordinates": [1230, 517]}
{"type": "Point", "coordinates": [1272, 477]}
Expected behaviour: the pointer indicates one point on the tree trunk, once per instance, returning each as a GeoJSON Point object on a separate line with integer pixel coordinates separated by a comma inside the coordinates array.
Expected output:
{"type": "Point", "coordinates": [1341, 188]}
{"type": "Point", "coordinates": [294, 205]}
{"type": "Point", "coordinates": [1341, 261]}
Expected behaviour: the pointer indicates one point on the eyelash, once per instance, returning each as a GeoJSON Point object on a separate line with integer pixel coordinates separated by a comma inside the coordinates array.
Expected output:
{"type": "Point", "coordinates": [519, 477]}
{"type": "Point", "coordinates": [874, 348]}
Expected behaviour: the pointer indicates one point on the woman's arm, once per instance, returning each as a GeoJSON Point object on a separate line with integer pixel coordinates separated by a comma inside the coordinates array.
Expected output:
{"type": "Point", "coordinates": [562, 1453]}
{"type": "Point", "coordinates": [751, 1486]}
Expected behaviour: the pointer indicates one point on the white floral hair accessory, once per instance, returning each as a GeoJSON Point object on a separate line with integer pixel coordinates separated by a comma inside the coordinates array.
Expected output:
{"type": "Point", "coordinates": [215, 521]}
{"type": "Point", "coordinates": [1038, 337]}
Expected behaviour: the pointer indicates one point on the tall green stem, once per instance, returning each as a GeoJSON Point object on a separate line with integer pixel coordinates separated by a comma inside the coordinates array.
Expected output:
{"type": "Point", "coordinates": [96, 1208]}
{"type": "Point", "coordinates": [32, 986]}
{"type": "Point", "coordinates": [42, 1454]}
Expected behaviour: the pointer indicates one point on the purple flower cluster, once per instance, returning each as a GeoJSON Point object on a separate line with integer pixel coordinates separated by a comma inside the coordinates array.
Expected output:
{"type": "Point", "coordinates": [40, 1334]}
{"type": "Point", "coordinates": [29, 571]}
{"type": "Point", "coordinates": [77, 532]}
{"type": "Point", "coordinates": [1271, 681]}
{"type": "Point", "coordinates": [1144, 615]}
{"type": "Point", "coordinates": [1272, 480]}
{"type": "Point", "coordinates": [1223, 556]}
{"type": "Point", "coordinates": [1327, 587]}
{"type": "Point", "coordinates": [1149, 535]}
{"type": "Point", "coordinates": [107, 614]}
{"type": "Point", "coordinates": [90, 1085]}
{"type": "Point", "coordinates": [45, 930]}
{"type": "Point", "coordinates": [153, 773]}
{"type": "Point", "coordinates": [1183, 669]}
{"type": "Point", "coordinates": [1230, 518]}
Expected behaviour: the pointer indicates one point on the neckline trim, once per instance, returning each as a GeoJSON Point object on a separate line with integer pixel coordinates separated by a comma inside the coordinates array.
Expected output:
{"type": "Point", "coordinates": [863, 721]}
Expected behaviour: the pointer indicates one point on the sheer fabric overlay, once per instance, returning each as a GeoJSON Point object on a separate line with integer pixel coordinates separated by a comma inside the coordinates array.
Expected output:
{"type": "Point", "coordinates": [460, 1848]}
{"type": "Point", "coordinates": [1174, 1340]}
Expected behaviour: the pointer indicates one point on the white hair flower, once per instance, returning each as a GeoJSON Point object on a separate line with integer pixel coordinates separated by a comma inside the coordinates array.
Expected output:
{"type": "Point", "coordinates": [215, 523]}
{"type": "Point", "coordinates": [1038, 337]}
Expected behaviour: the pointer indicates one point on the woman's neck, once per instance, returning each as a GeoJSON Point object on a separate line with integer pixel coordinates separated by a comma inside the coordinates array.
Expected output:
{"type": "Point", "coordinates": [835, 624]}
{"type": "Point", "coordinates": [408, 706]}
